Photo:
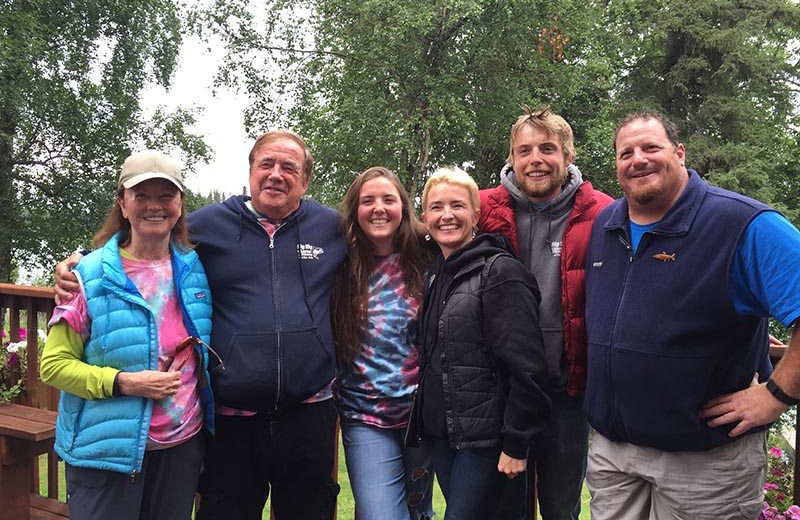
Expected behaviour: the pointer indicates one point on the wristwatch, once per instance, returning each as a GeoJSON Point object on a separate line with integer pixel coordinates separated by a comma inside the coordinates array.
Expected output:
{"type": "Point", "coordinates": [779, 394]}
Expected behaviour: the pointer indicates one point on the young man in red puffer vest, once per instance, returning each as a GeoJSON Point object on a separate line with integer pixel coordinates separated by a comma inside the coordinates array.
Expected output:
{"type": "Point", "coordinates": [546, 209]}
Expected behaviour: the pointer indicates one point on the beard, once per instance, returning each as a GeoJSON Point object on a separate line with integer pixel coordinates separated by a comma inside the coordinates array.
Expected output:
{"type": "Point", "coordinates": [540, 189]}
{"type": "Point", "coordinates": [643, 195]}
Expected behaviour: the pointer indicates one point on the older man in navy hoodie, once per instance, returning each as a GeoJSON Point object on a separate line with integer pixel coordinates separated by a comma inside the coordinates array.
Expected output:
{"type": "Point", "coordinates": [681, 278]}
{"type": "Point", "coordinates": [270, 260]}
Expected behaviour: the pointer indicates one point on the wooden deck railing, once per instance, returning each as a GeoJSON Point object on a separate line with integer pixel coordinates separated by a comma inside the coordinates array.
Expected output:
{"type": "Point", "coordinates": [31, 307]}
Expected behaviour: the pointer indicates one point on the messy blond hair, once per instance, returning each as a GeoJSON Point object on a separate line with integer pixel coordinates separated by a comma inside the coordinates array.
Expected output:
{"type": "Point", "coordinates": [544, 119]}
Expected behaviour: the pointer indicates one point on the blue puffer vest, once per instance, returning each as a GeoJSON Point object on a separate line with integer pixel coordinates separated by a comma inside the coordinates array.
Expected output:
{"type": "Point", "coordinates": [111, 434]}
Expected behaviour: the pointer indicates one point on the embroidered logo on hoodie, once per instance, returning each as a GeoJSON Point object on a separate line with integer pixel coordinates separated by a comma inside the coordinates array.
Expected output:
{"type": "Point", "coordinates": [309, 251]}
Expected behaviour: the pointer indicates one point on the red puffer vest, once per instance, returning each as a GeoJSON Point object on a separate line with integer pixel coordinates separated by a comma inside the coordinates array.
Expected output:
{"type": "Point", "coordinates": [497, 216]}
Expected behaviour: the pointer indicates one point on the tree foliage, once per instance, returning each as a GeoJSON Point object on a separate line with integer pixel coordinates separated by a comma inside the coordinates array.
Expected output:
{"type": "Point", "coordinates": [193, 201]}
{"type": "Point", "coordinates": [70, 78]}
{"type": "Point", "coordinates": [413, 85]}
{"type": "Point", "coordinates": [728, 73]}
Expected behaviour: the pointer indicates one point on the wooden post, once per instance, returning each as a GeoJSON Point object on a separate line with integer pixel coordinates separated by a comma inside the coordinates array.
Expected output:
{"type": "Point", "coordinates": [796, 490]}
{"type": "Point", "coordinates": [32, 352]}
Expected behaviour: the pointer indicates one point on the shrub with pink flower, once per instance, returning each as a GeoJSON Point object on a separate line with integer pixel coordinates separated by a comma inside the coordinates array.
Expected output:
{"type": "Point", "coordinates": [771, 513]}
{"type": "Point", "coordinates": [778, 488]}
{"type": "Point", "coordinates": [13, 364]}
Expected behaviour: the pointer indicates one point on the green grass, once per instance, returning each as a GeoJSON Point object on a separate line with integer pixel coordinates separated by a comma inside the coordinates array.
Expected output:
{"type": "Point", "coordinates": [585, 497]}
{"type": "Point", "coordinates": [345, 504]}
{"type": "Point", "coordinates": [62, 485]}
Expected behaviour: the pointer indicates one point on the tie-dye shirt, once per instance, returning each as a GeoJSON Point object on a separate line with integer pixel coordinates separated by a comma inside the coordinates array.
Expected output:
{"type": "Point", "coordinates": [175, 418]}
{"type": "Point", "coordinates": [378, 387]}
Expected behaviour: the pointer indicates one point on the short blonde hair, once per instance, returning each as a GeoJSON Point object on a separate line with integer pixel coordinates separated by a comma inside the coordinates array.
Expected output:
{"type": "Point", "coordinates": [544, 119]}
{"type": "Point", "coordinates": [452, 175]}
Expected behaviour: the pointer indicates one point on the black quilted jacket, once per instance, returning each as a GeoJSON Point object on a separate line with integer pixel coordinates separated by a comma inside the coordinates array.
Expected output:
{"type": "Point", "coordinates": [491, 350]}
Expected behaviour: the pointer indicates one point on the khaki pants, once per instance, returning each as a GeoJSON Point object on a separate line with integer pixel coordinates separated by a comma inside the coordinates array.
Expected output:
{"type": "Point", "coordinates": [629, 482]}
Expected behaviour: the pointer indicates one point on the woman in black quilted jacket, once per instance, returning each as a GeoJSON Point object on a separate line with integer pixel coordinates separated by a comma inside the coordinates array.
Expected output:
{"type": "Point", "coordinates": [479, 402]}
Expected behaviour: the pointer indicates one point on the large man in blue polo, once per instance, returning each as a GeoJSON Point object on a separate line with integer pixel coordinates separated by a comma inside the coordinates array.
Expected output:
{"type": "Point", "coordinates": [681, 278]}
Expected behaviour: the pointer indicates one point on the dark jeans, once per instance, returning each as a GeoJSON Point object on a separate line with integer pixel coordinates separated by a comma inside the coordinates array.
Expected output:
{"type": "Point", "coordinates": [559, 453]}
{"type": "Point", "coordinates": [164, 490]}
{"type": "Point", "coordinates": [291, 454]}
{"type": "Point", "coordinates": [469, 479]}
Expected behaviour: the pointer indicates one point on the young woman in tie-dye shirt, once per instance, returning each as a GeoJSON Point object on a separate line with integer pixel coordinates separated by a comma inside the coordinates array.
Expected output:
{"type": "Point", "coordinates": [375, 303]}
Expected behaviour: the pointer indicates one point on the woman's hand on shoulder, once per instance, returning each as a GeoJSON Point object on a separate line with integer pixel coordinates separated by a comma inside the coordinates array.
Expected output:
{"type": "Point", "coordinates": [149, 383]}
{"type": "Point", "coordinates": [511, 466]}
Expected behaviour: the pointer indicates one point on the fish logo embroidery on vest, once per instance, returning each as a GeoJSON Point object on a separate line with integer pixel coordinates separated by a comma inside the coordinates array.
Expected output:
{"type": "Point", "coordinates": [664, 257]}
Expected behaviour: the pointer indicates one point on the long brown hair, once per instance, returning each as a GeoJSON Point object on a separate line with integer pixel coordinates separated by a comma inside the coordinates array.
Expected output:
{"type": "Point", "coordinates": [116, 222]}
{"type": "Point", "coordinates": [349, 298]}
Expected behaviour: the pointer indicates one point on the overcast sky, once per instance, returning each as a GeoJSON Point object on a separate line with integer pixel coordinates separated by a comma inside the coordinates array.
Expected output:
{"type": "Point", "coordinates": [221, 123]}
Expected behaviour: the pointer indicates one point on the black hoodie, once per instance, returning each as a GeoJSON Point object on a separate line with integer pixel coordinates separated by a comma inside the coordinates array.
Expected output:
{"type": "Point", "coordinates": [483, 357]}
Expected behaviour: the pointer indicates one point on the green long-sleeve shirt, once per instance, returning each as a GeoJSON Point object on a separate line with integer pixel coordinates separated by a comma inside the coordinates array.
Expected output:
{"type": "Point", "coordinates": [62, 366]}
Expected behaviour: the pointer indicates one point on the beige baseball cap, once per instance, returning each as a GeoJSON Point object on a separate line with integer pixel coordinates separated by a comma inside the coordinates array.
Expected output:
{"type": "Point", "coordinates": [150, 164]}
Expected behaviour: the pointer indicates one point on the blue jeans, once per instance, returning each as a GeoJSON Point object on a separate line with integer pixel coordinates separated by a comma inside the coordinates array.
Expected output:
{"type": "Point", "coordinates": [469, 479]}
{"type": "Point", "coordinates": [389, 481]}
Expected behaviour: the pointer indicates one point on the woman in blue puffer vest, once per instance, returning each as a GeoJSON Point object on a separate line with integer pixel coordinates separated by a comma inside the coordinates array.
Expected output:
{"type": "Point", "coordinates": [129, 352]}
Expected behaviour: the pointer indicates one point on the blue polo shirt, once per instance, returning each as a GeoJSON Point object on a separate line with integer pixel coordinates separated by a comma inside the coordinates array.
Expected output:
{"type": "Point", "coordinates": [765, 271]}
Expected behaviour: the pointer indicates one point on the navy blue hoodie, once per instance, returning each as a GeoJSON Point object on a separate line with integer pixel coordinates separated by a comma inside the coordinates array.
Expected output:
{"type": "Point", "coordinates": [271, 322]}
